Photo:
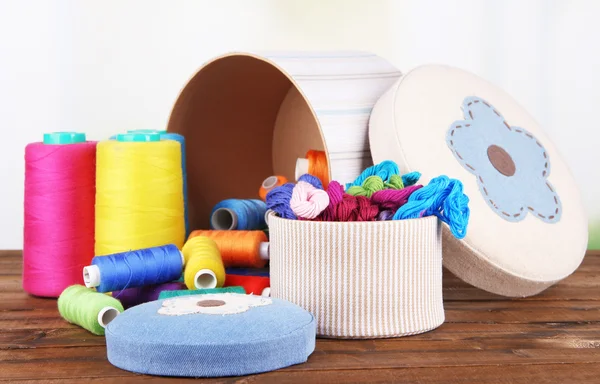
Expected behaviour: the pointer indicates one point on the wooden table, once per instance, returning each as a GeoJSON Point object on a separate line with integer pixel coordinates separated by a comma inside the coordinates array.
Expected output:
{"type": "Point", "coordinates": [551, 338]}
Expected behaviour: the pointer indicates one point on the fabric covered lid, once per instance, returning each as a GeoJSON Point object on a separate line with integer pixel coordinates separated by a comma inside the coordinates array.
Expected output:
{"type": "Point", "coordinates": [211, 335]}
{"type": "Point", "coordinates": [528, 228]}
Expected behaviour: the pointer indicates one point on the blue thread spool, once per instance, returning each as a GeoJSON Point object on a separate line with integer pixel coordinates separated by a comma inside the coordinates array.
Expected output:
{"type": "Point", "coordinates": [139, 268]}
{"type": "Point", "coordinates": [164, 135]}
{"type": "Point", "coordinates": [237, 214]}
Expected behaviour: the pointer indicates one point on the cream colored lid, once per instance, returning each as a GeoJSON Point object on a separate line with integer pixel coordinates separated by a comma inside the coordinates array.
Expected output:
{"type": "Point", "coordinates": [528, 228]}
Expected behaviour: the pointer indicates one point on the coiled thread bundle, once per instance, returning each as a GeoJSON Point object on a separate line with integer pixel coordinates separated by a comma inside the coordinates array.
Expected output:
{"type": "Point", "coordinates": [134, 269]}
{"type": "Point", "coordinates": [59, 215]}
{"type": "Point", "coordinates": [317, 166]}
{"type": "Point", "coordinates": [139, 195]}
{"type": "Point", "coordinates": [88, 309]}
{"type": "Point", "coordinates": [239, 248]}
{"type": "Point", "coordinates": [253, 285]}
{"type": "Point", "coordinates": [442, 197]}
{"type": "Point", "coordinates": [131, 297]}
{"type": "Point", "coordinates": [203, 264]}
{"type": "Point", "coordinates": [237, 214]}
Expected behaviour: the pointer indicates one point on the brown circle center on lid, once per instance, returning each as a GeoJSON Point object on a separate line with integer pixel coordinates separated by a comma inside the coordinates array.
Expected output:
{"type": "Point", "coordinates": [210, 303]}
{"type": "Point", "coordinates": [501, 160]}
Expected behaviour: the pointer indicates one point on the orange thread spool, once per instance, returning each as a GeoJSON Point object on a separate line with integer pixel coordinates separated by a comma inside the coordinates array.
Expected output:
{"type": "Point", "coordinates": [270, 183]}
{"type": "Point", "coordinates": [317, 166]}
{"type": "Point", "coordinates": [249, 249]}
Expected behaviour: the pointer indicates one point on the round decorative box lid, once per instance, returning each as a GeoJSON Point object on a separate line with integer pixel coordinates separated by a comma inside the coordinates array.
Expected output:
{"type": "Point", "coordinates": [211, 335]}
{"type": "Point", "coordinates": [528, 227]}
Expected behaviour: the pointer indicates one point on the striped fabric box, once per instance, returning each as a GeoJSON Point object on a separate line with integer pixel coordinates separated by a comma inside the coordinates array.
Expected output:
{"type": "Point", "coordinates": [360, 279]}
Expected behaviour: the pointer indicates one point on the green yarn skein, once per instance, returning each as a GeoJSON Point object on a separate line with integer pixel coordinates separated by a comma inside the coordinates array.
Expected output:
{"type": "Point", "coordinates": [371, 185]}
{"type": "Point", "coordinates": [87, 308]}
{"type": "Point", "coordinates": [395, 182]}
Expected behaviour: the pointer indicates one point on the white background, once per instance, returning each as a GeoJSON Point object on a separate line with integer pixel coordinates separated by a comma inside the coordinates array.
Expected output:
{"type": "Point", "coordinates": [108, 65]}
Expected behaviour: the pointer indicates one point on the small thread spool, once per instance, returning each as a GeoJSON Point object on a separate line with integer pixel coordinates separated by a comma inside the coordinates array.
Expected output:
{"type": "Point", "coordinates": [131, 297]}
{"type": "Point", "coordinates": [270, 183]}
{"type": "Point", "coordinates": [190, 292]}
{"type": "Point", "coordinates": [58, 231]}
{"type": "Point", "coordinates": [253, 285]}
{"type": "Point", "coordinates": [239, 248]}
{"type": "Point", "coordinates": [139, 268]}
{"type": "Point", "coordinates": [315, 164]}
{"type": "Point", "coordinates": [139, 195]}
{"type": "Point", "coordinates": [203, 264]}
{"type": "Point", "coordinates": [164, 135]}
{"type": "Point", "coordinates": [88, 309]}
{"type": "Point", "coordinates": [237, 214]}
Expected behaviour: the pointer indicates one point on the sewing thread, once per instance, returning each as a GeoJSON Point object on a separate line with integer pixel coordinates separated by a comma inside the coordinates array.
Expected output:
{"type": "Point", "coordinates": [312, 180]}
{"type": "Point", "coordinates": [131, 297]}
{"type": "Point", "coordinates": [139, 195]}
{"type": "Point", "coordinates": [393, 199]}
{"type": "Point", "coordinates": [239, 248]}
{"type": "Point", "coordinates": [237, 214]}
{"type": "Point", "coordinates": [442, 197]}
{"type": "Point", "coordinates": [278, 200]}
{"type": "Point", "coordinates": [308, 202]}
{"type": "Point", "coordinates": [335, 191]}
{"type": "Point", "coordinates": [189, 292]}
{"type": "Point", "coordinates": [253, 285]}
{"type": "Point", "coordinates": [58, 231]}
{"type": "Point", "coordinates": [268, 184]}
{"type": "Point", "coordinates": [203, 263]}
{"type": "Point", "coordinates": [371, 185]}
{"type": "Point", "coordinates": [317, 166]}
{"type": "Point", "coordinates": [385, 170]}
{"type": "Point", "coordinates": [134, 269]}
{"type": "Point", "coordinates": [88, 309]}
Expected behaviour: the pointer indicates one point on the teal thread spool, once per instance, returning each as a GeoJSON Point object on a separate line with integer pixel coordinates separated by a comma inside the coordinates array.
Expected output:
{"type": "Point", "coordinates": [164, 135]}
{"type": "Point", "coordinates": [168, 294]}
{"type": "Point", "coordinates": [88, 309]}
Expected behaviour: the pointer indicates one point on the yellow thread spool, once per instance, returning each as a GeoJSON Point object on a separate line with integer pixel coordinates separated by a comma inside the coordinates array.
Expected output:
{"type": "Point", "coordinates": [204, 267]}
{"type": "Point", "coordinates": [139, 194]}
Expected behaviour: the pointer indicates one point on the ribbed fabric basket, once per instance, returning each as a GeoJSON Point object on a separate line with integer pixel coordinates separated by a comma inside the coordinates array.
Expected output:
{"type": "Point", "coordinates": [360, 279]}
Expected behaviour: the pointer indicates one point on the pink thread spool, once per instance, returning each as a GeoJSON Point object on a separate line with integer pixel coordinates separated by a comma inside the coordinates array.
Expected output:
{"type": "Point", "coordinates": [60, 187]}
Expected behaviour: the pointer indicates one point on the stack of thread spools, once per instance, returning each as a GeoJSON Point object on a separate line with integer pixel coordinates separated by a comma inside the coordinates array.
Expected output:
{"type": "Point", "coordinates": [112, 215]}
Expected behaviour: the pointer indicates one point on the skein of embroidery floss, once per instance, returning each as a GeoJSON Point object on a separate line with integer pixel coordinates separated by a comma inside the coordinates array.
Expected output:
{"type": "Point", "coordinates": [253, 285]}
{"type": "Point", "coordinates": [139, 195]}
{"type": "Point", "coordinates": [239, 248]}
{"type": "Point", "coordinates": [315, 164]}
{"type": "Point", "coordinates": [131, 297]}
{"type": "Point", "coordinates": [203, 264]}
{"type": "Point", "coordinates": [88, 309]}
{"type": "Point", "coordinates": [134, 269]}
{"type": "Point", "coordinates": [60, 178]}
{"type": "Point", "coordinates": [268, 184]}
{"type": "Point", "coordinates": [238, 214]}
{"type": "Point", "coordinates": [164, 135]}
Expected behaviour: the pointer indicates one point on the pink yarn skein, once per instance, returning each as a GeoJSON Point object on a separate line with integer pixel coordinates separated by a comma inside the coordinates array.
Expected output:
{"type": "Point", "coordinates": [308, 202]}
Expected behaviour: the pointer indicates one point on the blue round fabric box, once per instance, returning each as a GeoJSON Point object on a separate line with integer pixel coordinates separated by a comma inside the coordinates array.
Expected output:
{"type": "Point", "coordinates": [211, 335]}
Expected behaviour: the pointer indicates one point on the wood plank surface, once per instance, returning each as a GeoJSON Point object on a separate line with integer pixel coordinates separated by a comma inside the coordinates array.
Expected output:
{"type": "Point", "coordinates": [553, 337]}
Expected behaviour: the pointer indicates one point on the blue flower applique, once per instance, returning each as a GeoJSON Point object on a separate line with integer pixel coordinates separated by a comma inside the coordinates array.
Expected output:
{"type": "Point", "coordinates": [510, 164]}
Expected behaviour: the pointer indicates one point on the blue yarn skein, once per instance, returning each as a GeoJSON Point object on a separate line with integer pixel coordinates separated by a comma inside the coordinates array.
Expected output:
{"type": "Point", "coordinates": [385, 170]}
{"type": "Point", "coordinates": [411, 178]}
{"type": "Point", "coordinates": [138, 268]}
{"type": "Point", "coordinates": [278, 200]}
{"type": "Point", "coordinates": [312, 180]}
{"type": "Point", "coordinates": [250, 214]}
{"type": "Point", "coordinates": [442, 197]}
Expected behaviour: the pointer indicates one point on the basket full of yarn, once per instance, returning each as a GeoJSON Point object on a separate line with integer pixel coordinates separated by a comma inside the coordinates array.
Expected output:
{"type": "Point", "coordinates": [365, 258]}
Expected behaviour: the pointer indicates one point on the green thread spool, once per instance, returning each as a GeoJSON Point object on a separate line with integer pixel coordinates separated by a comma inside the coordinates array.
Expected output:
{"type": "Point", "coordinates": [185, 292]}
{"type": "Point", "coordinates": [87, 308]}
